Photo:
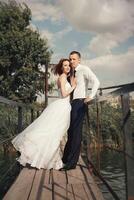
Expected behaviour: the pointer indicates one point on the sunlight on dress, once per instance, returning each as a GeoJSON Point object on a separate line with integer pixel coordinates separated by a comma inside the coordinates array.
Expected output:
{"type": "Point", "coordinates": [39, 143]}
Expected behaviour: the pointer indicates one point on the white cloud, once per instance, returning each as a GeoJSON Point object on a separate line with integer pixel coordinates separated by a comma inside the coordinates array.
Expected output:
{"type": "Point", "coordinates": [103, 43]}
{"type": "Point", "coordinates": [98, 16]}
{"type": "Point", "coordinates": [42, 10]}
{"type": "Point", "coordinates": [46, 34]}
{"type": "Point", "coordinates": [52, 37]}
{"type": "Point", "coordinates": [111, 20]}
{"type": "Point", "coordinates": [56, 57]}
{"type": "Point", "coordinates": [63, 32]}
{"type": "Point", "coordinates": [113, 69]}
{"type": "Point", "coordinates": [74, 45]}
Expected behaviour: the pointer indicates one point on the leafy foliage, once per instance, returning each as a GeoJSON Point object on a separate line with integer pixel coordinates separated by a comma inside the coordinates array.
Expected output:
{"type": "Point", "coordinates": [21, 50]}
{"type": "Point", "coordinates": [111, 120]}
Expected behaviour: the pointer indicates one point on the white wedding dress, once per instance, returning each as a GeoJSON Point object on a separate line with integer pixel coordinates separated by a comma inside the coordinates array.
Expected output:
{"type": "Point", "coordinates": [39, 143]}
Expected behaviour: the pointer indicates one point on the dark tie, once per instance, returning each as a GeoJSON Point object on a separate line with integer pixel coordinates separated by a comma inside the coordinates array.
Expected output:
{"type": "Point", "coordinates": [71, 95]}
{"type": "Point", "coordinates": [74, 73]}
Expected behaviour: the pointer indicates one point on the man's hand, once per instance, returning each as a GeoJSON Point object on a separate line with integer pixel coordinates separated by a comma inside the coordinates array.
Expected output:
{"type": "Point", "coordinates": [87, 100]}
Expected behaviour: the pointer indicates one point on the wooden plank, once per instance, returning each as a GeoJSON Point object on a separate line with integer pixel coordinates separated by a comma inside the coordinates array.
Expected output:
{"type": "Point", "coordinates": [88, 192]}
{"type": "Point", "coordinates": [92, 186]}
{"type": "Point", "coordinates": [70, 193]}
{"type": "Point", "coordinates": [79, 192]}
{"type": "Point", "coordinates": [37, 185]}
{"type": "Point", "coordinates": [87, 175]}
{"type": "Point", "coordinates": [47, 179]}
{"type": "Point", "coordinates": [60, 191]}
{"type": "Point", "coordinates": [75, 176]}
{"type": "Point", "coordinates": [46, 193]}
{"type": "Point", "coordinates": [47, 187]}
{"type": "Point", "coordinates": [81, 178]}
{"type": "Point", "coordinates": [59, 182]}
{"type": "Point", "coordinates": [59, 176]}
{"type": "Point", "coordinates": [52, 184]}
{"type": "Point", "coordinates": [22, 186]}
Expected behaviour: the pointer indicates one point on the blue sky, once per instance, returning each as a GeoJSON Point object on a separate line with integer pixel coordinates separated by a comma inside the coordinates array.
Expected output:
{"type": "Point", "coordinates": [103, 31]}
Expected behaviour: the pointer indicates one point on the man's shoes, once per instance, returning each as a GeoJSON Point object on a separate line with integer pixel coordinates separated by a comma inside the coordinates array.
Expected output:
{"type": "Point", "coordinates": [67, 167]}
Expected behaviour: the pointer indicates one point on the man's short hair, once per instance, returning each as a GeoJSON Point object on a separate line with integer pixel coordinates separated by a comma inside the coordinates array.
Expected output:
{"type": "Point", "coordinates": [75, 52]}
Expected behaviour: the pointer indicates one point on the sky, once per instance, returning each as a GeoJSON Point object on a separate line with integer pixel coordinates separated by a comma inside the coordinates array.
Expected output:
{"type": "Point", "coordinates": [102, 31]}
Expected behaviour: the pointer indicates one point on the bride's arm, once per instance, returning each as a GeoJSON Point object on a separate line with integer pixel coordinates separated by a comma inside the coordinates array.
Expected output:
{"type": "Point", "coordinates": [64, 92]}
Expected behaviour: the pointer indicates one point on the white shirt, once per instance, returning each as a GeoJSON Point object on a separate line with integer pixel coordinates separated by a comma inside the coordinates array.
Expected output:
{"type": "Point", "coordinates": [85, 78]}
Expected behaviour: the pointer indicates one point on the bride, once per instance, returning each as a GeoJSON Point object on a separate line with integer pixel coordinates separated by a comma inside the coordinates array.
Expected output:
{"type": "Point", "coordinates": [39, 143]}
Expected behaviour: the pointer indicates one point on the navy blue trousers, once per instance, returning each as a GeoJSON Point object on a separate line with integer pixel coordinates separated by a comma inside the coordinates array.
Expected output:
{"type": "Point", "coordinates": [73, 145]}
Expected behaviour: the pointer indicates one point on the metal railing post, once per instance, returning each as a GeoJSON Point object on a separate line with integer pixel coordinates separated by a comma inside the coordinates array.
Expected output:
{"type": "Point", "coordinates": [128, 147]}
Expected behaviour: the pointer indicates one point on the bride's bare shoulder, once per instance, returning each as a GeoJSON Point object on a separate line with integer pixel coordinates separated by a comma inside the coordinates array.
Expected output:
{"type": "Point", "coordinates": [61, 79]}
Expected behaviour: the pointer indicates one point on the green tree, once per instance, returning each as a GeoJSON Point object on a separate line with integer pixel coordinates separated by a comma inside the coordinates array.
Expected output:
{"type": "Point", "coordinates": [21, 50]}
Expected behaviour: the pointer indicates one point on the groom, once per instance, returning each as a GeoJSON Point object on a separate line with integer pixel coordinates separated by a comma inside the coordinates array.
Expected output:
{"type": "Point", "coordinates": [84, 76]}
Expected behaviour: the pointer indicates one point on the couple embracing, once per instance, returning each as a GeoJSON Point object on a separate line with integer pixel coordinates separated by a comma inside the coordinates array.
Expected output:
{"type": "Point", "coordinates": [39, 143]}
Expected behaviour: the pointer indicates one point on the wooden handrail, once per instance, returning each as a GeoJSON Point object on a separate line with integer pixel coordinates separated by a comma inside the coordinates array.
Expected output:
{"type": "Point", "coordinates": [121, 91]}
{"type": "Point", "coordinates": [10, 102]}
{"type": "Point", "coordinates": [15, 103]}
{"type": "Point", "coordinates": [113, 87]}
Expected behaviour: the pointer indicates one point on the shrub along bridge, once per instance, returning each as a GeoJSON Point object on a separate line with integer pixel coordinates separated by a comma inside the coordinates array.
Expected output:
{"type": "Point", "coordinates": [73, 184]}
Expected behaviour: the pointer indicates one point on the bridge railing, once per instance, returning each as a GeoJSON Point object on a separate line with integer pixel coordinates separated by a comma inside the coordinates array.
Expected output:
{"type": "Point", "coordinates": [14, 117]}
{"type": "Point", "coordinates": [127, 145]}
{"type": "Point", "coordinates": [122, 91]}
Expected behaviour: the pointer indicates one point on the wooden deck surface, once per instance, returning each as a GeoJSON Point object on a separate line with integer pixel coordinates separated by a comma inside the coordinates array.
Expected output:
{"type": "Point", "coordinates": [34, 184]}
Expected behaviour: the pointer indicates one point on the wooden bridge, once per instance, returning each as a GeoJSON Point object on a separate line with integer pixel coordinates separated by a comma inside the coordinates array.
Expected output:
{"type": "Point", "coordinates": [78, 183]}
{"type": "Point", "coordinates": [33, 184]}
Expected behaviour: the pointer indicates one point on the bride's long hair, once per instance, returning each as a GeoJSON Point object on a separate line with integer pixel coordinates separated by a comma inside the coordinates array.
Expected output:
{"type": "Point", "coordinates": [58, 69]}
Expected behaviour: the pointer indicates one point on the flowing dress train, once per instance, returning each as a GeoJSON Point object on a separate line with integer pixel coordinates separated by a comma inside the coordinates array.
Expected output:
{"type": "Point", "coordinates": [39, 143]}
